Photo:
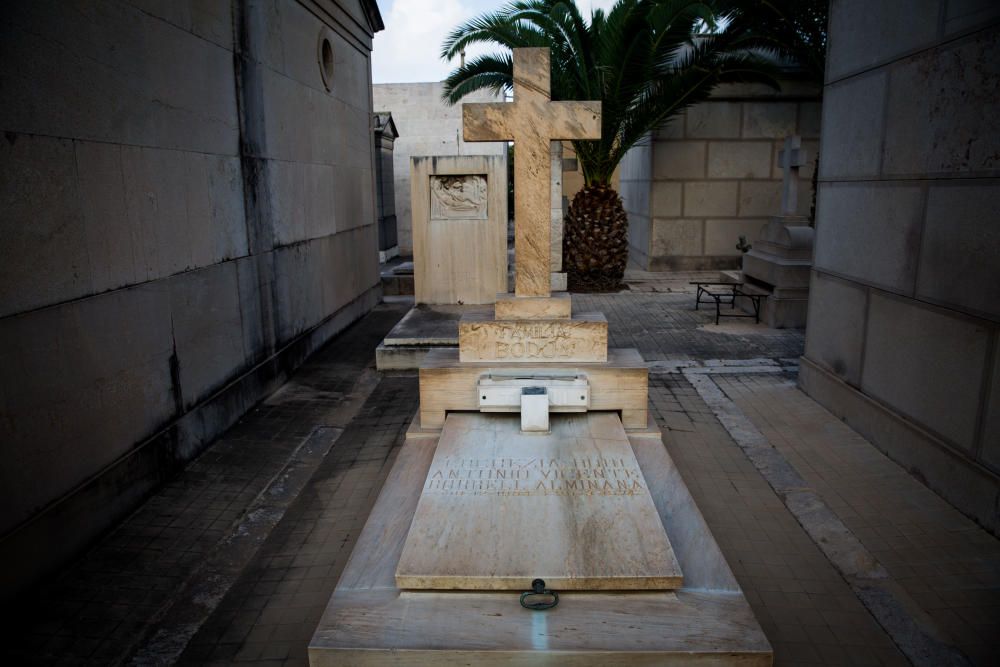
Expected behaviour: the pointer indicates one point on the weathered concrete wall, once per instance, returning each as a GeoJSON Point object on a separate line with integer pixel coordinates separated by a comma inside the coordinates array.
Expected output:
{"type": "Point", "coordinates": [427, 126]}
{"type": "Point", "coordinates": [904, 310]}
{"type": "Point", "coordinates": [713, 175]}
{"type": "Point", "coordinates": [186, 211]}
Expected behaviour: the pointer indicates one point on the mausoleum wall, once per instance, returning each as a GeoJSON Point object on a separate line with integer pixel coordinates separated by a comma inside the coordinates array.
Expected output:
{"type": "Point", "coordinates": [186, 212]}
{"type": "Point", "coordinates": [903, 335]}
{"type": "Point", "coordinates": [712, 174]}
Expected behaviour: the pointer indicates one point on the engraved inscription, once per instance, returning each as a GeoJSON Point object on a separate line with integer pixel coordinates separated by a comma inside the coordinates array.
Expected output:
{"type": "Point", "coordinates": [535, 476]}
{"type": "Point", "coordinates": [458, 197]}
{"type": "Point", "coordinates": [521, 340]}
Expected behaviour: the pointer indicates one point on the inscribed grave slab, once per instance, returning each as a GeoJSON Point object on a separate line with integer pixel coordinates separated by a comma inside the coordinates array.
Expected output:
{"type": "Point", "coordinates": [500, 508]}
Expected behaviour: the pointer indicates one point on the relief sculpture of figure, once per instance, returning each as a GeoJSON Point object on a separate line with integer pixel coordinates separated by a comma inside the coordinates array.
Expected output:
{"type": "Point", "coordinates": [458, 197]}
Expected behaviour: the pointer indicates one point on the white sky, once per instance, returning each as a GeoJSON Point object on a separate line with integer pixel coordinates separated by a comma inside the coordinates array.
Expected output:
{"type": "Point", "coordinates": [408, 48]}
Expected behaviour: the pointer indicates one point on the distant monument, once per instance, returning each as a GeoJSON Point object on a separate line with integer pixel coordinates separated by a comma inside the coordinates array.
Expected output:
{"type": "Point", "coordinates": [486, 516]}
{"type": "Point", "coordinates": [781, 258]}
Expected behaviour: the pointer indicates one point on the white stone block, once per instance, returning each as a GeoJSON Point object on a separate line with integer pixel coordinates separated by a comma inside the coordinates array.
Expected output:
{"type": "Point", "coordinates": [760, 198]}
{"type": "Point", "coordinates": [991, 423]}
{"type": "Point", "coordinates": [666, 199]}
{"type": "Point", "coordinates": [721, 236]}
{"type": "Point", "coordinates": [534, 410]}
{"type": "Point", "coordinates": [678, 159]}
{"type": "Point", "coordinates": [708, 198]}
{"type": "Point", "coordinates": [769, 120]}
{"type": "Point", "coordinates": [739, 159]}
{"type": "Point", "coordinates": [956, 129]}
{"type": "Point", "coordinates": [682, 237]}
{"type": "Point", "coordinates": [870, 232]}
{"type": "Point", "coordinates": [207, 329]}
{"type": "Point", "coordinates": [963, 15]}
{"type": "Point", "coordinates": [836, 329]}
{"type": "Point", "coordinates": [960, 248]}
{"type": "Point", "coordinates": [852, 127]}
{"type": "Point", "coordinates": [904, 365]}
{"type": "Point", "coordinates": [810, 115]}
{"type": "Point", "coordinates": [866, 34]}
{"type": "Point", "coordinates": [713, 120]}
{"type": "Point", "coordinates": [43, 252]}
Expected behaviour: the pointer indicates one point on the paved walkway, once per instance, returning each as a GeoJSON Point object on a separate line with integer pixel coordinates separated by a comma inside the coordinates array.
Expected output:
{"type": "Point", "coordinates": [234, 560]}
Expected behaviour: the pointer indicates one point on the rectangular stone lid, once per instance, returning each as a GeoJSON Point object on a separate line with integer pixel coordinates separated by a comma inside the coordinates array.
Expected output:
{"type": "Point", "coordinates": [500, 508]}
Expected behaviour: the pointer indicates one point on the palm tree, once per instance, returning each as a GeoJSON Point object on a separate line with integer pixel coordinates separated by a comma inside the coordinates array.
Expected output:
{"type": "Point", "coordinates": [646, 60]}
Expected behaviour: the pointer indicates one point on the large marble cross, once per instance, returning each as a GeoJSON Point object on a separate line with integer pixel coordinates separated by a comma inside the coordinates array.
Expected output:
{"type": "Point", "coordinates": [791, 158]}
{"type": "Point", "coordinates": [532, 121]}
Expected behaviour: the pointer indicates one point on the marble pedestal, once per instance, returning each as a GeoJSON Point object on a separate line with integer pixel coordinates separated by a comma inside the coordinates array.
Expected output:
{"type": "Point", "coordinates": [371, 621]}
{"type": "Point", "coordinates": [780, 262]}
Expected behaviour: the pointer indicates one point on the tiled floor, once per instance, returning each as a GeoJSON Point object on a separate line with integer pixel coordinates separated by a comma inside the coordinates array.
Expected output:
{"type": "Point", "coordinates": [805, 607]}
{"type": "Point", "coordinates": [947, 564]}
{"type": "Point", "coordinates": [234, 560]}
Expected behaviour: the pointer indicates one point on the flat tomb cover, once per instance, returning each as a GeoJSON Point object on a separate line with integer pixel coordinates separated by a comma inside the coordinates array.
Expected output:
{"type": "Point", "coordinates": [500, 508]}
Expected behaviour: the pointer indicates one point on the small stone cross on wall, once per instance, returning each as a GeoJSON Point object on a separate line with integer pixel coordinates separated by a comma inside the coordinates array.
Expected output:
{"type": "Point", "coordinates": [791, 158]}
{"type": "Point", "coordinates": [532, 121]}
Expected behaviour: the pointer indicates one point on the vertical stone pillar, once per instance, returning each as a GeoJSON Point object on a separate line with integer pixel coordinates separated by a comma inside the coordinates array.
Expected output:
{"type": "Point", "coordinates": [556, 163]}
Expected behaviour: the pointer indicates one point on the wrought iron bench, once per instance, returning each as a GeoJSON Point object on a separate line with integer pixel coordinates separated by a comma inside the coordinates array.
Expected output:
{"type": "Point", "coordinates": [727, 297]}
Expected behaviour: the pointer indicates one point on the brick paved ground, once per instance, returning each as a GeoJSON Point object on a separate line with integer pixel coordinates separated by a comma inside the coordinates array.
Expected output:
{"type": "Point", "coordinates": [233, 561]}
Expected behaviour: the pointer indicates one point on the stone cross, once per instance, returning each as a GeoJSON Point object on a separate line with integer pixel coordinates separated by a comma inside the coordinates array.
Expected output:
{"type": "Point", "coordinates": [532, 121]}
{"type": "Point", "coordinates": [791, 158]}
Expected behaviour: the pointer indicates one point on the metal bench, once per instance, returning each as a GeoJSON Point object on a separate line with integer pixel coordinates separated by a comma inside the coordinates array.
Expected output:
{"type": "Point", "coordinates": [727, 297]}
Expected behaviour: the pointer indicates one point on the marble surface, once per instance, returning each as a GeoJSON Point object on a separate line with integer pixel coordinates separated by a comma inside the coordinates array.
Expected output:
{"type": "Point", "coordinates": [532, 121]}
{"type": "Point", "coordinates": [369, 621]}
{"type": "Point", "coordinates": [459, 208]}
{"type": "Point", "coordinates": [559, 306]}
{"type": "Point", "coordinates": [500, 508]}
{"type": "Point", "coordinates": [584, 338]}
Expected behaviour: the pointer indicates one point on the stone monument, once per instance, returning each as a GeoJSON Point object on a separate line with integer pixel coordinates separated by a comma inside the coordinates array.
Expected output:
{"type": "Point", "coordinates": [459, 206]}
{"type": "Point", "coordinates": [781, 258]}
{"type": "Point", "coordinates": [531, 466]}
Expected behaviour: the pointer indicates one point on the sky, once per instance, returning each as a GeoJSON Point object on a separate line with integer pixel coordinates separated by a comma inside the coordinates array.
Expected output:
{"type": "Point", "coordinates": [408, 48]}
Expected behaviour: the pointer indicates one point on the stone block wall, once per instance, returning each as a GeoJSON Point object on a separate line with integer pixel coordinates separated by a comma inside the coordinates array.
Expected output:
{"type": "Point", "coordinates": [186, 212]}
{"type": "Point", "coordinates": [427, 126]}
{"type": "Point", "coordinates": [712, 175]}
{"type": "Point", "coordinates": [904, 309]}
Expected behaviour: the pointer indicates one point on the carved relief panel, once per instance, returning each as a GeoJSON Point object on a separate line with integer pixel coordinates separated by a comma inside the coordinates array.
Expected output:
{"type": "Point", "coordinates": [459, 197]}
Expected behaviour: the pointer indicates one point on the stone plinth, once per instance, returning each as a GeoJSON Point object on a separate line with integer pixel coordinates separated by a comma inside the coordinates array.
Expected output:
{"type": "Point", "coordinates": [780, 261]}
{"type": "Point", "coordinates": [556, 307]}
{"type": "Point", "coordinates": [494, 507]}
{"type": "Point", "coordinates": [619, 385]}
{"type": "Point", "coordinates": [459, 228]}
{"type": "Point", "coordinates": [369, 620]}
{"type": "Point", "coordinates": [584, 338]}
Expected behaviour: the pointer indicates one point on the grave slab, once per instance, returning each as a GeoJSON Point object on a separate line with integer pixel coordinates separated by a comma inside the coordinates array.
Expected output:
{"type": "Point", "coordinates": [501, 507]}
{"type": "Point", "coordinates": [370, 621]}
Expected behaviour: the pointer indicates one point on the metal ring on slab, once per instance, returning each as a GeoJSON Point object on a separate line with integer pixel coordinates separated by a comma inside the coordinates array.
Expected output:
{"type": "Point", "coordinates": [546, 599]}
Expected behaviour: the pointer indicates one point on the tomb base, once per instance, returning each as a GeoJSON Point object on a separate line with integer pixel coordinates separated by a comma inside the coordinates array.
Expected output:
{"type": "Point", "coordinates": [780, 263]}
{"type": "Point", "coordinates": [422, 329]}
{"type": "Point", "coordinates": [582, 338]}
{"type": "Point", "coordinates": [621, 384]}
{"type": "Point", "coordinates": [370, 621]}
